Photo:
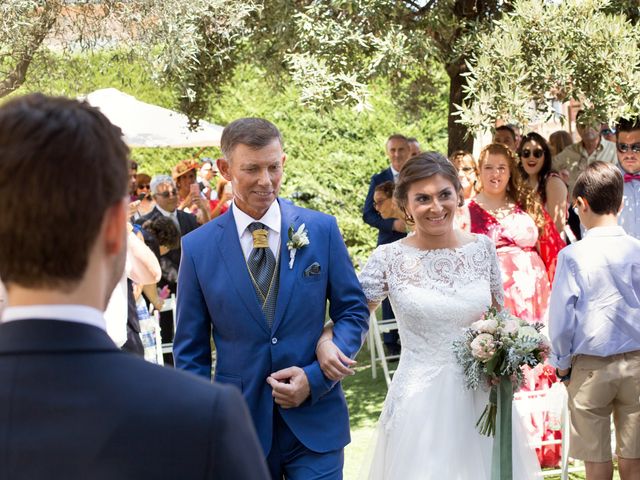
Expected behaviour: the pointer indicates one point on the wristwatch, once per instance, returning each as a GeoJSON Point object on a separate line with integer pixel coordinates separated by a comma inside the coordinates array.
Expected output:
{"type": "Point", "coordinates": [563, 378]}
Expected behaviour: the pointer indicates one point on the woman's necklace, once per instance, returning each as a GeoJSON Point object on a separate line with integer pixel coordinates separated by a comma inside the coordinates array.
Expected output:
{"type": "Point", "coordinates": [501, 211]}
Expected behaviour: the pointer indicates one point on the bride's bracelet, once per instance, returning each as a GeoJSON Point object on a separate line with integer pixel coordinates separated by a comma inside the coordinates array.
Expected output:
{"type": "Point", "coordinates": [321, 342]}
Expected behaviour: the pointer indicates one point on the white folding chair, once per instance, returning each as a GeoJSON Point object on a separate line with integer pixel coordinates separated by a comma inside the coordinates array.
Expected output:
{"type": "Point", "coordinates": [168, 306]}
{"type": "Point", "coordinates": [376, 329]}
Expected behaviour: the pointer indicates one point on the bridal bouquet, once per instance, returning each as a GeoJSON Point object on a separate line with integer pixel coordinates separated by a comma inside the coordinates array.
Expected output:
{"type": "Point", "coordinates": [491, 353]}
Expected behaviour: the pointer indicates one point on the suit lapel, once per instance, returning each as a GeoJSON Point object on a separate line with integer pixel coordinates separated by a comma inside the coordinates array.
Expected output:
{"type": "Point", "coordinates": [234, 261]}
{"type": "Point", "coordinates": [287, 276]}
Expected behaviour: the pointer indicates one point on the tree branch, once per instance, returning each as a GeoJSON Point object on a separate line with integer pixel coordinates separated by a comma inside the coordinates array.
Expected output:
{"type": "Point", "coordinates": [17, 76]}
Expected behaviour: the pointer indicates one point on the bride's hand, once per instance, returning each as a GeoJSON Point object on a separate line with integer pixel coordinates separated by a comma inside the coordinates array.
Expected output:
{"type": "Point", "coordinates": [334, 364]}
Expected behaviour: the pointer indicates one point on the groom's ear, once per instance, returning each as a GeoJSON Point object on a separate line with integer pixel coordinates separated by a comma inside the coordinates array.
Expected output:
{"type": "Point", "coordinates": [223, 167]}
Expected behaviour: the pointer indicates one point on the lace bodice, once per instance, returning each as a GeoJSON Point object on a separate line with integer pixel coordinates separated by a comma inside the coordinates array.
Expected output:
{"type": "Point", "coordinates": [435, 294]}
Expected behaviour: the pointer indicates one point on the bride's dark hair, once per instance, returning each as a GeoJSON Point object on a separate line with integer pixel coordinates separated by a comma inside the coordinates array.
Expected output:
{"type": "Point", "coordinates": [425, 165]}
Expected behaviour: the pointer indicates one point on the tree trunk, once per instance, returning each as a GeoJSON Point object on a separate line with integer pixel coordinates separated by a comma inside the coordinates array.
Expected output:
{"type": "Point", "coordinates": [459, 137]}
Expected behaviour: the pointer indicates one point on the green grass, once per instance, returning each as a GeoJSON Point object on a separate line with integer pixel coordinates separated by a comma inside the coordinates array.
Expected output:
{"type": "Point", "coordinates": [365, 397]}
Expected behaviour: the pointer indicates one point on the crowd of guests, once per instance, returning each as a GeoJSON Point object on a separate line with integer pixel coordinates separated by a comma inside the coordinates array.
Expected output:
{"type": "Point", "coordinates": [517, 192]}
{"type": "Point", "coordinates": [524, 192]}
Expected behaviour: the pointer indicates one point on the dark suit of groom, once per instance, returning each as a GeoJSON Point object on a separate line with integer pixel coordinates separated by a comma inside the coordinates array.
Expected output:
{"type": "Point", "coordinates": [301, 417]}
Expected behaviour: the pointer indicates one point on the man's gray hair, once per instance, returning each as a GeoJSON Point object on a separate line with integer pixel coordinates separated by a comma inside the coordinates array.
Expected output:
{"type": "Point", "coordinates": [255, 133]}
{"type": "Point", "coordinates": [159, 180]}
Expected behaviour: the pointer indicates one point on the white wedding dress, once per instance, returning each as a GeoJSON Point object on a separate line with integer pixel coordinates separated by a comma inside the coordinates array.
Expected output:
{"type": "Point", "coordinates": [427, 426]}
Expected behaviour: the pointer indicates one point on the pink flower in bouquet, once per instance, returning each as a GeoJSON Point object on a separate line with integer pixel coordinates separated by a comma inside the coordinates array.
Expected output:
{"type": "Point", "coordinates": [483, 347]}
{"type": "Point", "coordinates": [486, 326]}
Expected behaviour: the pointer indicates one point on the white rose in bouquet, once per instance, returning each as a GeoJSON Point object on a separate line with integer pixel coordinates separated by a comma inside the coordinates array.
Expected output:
{"type": "Point", "coordinates": [486, 326]}
{"type": "Point", "coordinates": [483, 347]}
{"type": "Point", "coordinates": [510, 327]}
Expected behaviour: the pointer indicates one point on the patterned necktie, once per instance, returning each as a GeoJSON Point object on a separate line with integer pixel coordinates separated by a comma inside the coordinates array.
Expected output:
{"type": "Point", "coordinates": [262, 265]}
{"type": "Point", "coordinates": [628, 177]}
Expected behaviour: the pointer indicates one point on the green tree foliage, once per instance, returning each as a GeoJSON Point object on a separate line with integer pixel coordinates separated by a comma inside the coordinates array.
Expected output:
{"type": "Point", "coordinates": [331, 154]}
{"type": "Point", "coordinates": [545, 51]}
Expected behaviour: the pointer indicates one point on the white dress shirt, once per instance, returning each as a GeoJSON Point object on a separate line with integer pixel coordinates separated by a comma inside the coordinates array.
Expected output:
{"type": "Point", "coordinates": [272, 219]}
{"type": "Point", "coordinates": [629, 217]}
{"type": "Point", "coordinates": [68, 313]}
{"type": "Point", "coordinates": [395, 173]}
{"type": "Point", "coordinates": [595, 300]}
{"type": "Point", "coordinates": [172, 215]}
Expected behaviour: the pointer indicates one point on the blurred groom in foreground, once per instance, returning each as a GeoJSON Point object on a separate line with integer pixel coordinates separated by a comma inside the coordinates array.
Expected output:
{"type": "Point", "coordinates": [72, 405]}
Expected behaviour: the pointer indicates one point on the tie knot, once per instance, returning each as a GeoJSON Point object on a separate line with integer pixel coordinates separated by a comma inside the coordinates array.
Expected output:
{"type": "Point", "coordinates": [260, 235]}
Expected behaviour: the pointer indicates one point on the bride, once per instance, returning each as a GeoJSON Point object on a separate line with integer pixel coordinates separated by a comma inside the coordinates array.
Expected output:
{"type": "Point", "coordinates": [439, 281]}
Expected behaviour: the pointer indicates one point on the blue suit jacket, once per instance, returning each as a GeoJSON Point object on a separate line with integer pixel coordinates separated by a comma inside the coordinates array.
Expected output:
{"type": "Point", "coordinates": [370, 215]}
{"type": "Point", "coordinates": [215, 295]}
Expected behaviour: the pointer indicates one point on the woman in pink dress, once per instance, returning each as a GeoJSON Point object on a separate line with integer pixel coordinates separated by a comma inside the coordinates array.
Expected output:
{"type": "Point", "coordinates": [509, 213]}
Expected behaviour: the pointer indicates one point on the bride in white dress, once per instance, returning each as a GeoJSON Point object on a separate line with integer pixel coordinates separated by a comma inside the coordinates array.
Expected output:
{"type": "Point", "coordinates": [439, 281]}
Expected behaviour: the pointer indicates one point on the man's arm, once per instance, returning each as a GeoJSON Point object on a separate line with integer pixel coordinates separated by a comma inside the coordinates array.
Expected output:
{"type": "Point", "coordinates": [562, 313]}
{"type": "Point", "coordinates": [192, 344]}
{"type": "Point", "coordinates": [371, 216]}
{"type": "Point", "coordinates": [347, 308]}
{"type": "Point", "coordinates": [234, 445]}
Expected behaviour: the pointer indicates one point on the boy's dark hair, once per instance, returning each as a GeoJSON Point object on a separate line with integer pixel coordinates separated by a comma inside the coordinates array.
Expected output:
{"type": "Point", "coordinates": [164, 230]}
{"type": "Point", "coordinates": [601, 185]}
{"type": "Point", "coordinates": [62, 166]}
{"type": "Point", "coordinates": [627, 125]}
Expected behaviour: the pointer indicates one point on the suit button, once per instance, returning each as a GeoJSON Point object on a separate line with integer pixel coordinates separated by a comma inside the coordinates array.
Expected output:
{"type": "Point", "coordinates": [274, 340]}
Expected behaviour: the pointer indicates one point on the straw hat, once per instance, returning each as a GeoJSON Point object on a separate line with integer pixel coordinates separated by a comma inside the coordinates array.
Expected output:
{"type": "Point", "coordinates": [183, 167]}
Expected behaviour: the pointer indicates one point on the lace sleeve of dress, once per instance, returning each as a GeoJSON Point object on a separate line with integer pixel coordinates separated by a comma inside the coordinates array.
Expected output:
{"type": "Point", "coordinates": [495, 274]}
{"type": "Point", "coordinates": [373, 277]}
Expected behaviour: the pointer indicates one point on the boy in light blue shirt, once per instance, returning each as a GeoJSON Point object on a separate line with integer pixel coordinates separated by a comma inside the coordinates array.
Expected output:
{"type": "Point", "coordinates": [594, 325]}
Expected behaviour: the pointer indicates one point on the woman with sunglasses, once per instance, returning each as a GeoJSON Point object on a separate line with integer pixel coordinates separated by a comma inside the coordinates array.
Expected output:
{"type": "Point", "coordinates": [535, 167]}
{"type": "Point", "coordinates": [143, 193]}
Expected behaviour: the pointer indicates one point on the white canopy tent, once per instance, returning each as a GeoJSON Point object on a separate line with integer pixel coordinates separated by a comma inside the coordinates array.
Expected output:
{"type": "Point", "coordinates": [147, 125]}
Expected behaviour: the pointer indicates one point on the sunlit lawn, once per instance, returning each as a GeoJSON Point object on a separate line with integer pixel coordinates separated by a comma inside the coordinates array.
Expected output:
{"type": "Point", "coordinates": [365, 397]}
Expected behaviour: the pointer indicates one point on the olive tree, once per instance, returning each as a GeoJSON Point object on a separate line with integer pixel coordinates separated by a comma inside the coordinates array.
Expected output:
{"type": "Point", "coordinates": [546, 51]}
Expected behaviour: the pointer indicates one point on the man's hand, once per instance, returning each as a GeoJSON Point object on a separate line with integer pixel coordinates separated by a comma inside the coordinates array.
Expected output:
{"type": "Point", "coordinates": [290, 387]}
{"type": "Point", "coordinates": [399, 225]}
{"type": "Point", "coordinates": [334, 364]}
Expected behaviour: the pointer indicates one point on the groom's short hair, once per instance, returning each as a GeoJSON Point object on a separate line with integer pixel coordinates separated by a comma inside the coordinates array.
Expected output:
{"type": "Point", "coordinates": [255, 133]}
{"type": "Point", "coordinates": [62, 166]}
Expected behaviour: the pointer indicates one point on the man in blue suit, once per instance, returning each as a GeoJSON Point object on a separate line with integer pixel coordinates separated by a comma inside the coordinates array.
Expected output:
{"type": "Point", "coordinates": [72, 405]}
{"type": "Point", "coordinates": [389, 229]}
{"type": "Point", "coordinates": [258, 280]}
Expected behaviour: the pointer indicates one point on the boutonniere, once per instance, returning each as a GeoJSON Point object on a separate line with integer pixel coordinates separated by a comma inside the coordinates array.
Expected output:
{"type": "Point", "coordinates": [297, 240]}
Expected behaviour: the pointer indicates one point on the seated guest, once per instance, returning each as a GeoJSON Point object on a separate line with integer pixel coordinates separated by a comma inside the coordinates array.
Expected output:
{"type": "Point", "coordinates": [628, 150]}
{"type": "Point", "coordinates": [161, 236]}
{"type": "Point", "coordinates": [73, 405]}
{"type": "Point", "coordinates": [383, 200]}
{"type": "Point", "coordinates": [190, 198]}
{"type": "Point", "coordinates": [594, 327]}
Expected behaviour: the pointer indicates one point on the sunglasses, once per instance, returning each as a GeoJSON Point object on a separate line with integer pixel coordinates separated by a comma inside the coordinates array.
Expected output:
{"type": "Point", "coordinates": [144, 186]}
{"type": "Point", "coordinates": [607, 131]}
{"type": "Point", "coordinates": [624, 147]}
{"type": "Point", "coordinates": [168, 193]}
{"type": "Point", "coordinates": [537, 153]}
{"type": "Point", "coordinates": [467, 169]}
